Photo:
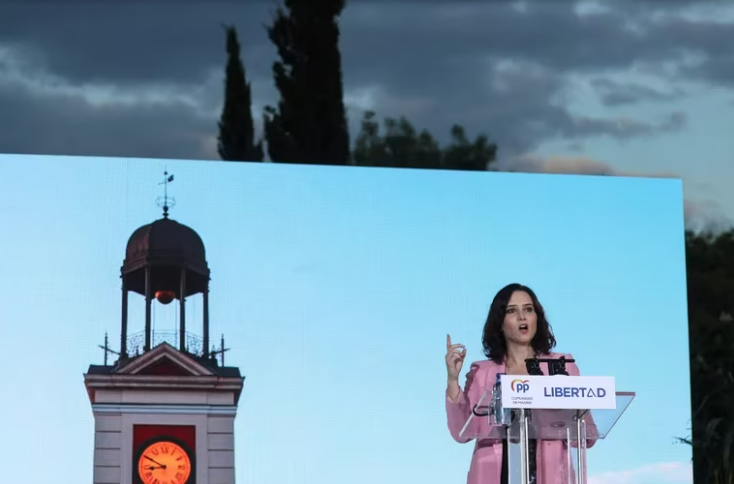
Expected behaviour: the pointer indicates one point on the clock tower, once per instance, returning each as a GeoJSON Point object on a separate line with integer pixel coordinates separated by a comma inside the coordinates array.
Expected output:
{"type": "Point", "coordinates": [164, 411]}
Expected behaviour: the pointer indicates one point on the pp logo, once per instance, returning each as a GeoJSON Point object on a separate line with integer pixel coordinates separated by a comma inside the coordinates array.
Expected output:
{"type": "Point", "coordinates": [520, 386]}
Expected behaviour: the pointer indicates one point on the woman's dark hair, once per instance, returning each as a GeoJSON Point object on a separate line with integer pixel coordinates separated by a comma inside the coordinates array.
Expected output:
{"type": "Point", "coordinates": [493, 339]}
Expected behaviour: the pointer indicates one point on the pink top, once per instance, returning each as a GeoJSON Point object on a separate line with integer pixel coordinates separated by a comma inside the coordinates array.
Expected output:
{"type": "Point", "coordinates": [486, 463]}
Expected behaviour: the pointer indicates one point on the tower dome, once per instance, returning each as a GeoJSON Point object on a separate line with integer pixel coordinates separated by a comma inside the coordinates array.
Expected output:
{"type": "Point", "coordinates": [165, 244]}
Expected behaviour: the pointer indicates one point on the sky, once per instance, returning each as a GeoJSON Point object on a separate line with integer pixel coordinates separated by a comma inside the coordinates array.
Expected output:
{"type": "Point", "coordinates": [335, 288]}
{"type": "Point", "coordinates": [631, 87]}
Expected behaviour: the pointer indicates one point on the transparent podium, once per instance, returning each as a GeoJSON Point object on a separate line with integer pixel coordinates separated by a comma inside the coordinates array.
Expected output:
{"type": "Point", "coordinates": [574, 430]}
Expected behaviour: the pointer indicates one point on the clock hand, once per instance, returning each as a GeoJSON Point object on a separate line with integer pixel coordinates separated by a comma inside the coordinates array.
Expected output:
{"type": "Point", "coordinates": [154, 462]}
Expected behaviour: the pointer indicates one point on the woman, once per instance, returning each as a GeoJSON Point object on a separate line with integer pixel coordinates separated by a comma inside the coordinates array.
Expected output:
{"type": "Point", "coordinates": [516, 329]}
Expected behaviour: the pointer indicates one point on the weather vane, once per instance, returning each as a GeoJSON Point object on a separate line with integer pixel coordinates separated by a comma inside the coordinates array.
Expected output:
{"type": "Point", "coordinates": [165, 202]}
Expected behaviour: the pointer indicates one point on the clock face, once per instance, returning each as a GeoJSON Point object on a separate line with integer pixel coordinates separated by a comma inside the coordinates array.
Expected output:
{"type": "Point", "coordinates": [164, 462]}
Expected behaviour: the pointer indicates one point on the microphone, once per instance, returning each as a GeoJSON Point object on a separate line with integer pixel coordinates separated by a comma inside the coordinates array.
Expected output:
{"type": "Point", "coordinates": [557, 367]}
{"type": "Point", "coordinates": [533, 367]}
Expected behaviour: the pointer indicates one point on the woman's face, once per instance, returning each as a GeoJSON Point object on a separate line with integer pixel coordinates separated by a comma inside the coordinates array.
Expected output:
{"type": "Point", "coordinates": [521, 321]}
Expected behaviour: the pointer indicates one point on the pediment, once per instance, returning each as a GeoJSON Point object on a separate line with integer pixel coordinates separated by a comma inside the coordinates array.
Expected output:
{"type": "Point", "coordinates": [164, 360]}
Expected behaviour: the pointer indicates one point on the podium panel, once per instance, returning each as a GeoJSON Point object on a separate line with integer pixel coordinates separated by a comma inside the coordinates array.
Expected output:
{"type": "Point", "coordinates": [545, 424]}
{"type": "Point", "coordinates": [536, 427]}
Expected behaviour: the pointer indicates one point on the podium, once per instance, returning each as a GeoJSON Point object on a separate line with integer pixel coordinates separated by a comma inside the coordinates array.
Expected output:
{"type": "Point", "coordinates": [575, 411]}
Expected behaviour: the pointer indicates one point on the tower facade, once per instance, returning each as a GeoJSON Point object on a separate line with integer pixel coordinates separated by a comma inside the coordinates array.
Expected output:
{"type": "Point", "coordinates": [164, 411]}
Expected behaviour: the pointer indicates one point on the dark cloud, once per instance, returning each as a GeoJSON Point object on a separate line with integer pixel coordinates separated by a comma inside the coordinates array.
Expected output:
{"type": "Point", "coordinates": [647, 6]}
{"type": "Point", "coordinates": [717, 70]}
{"type": "Point", "coordinates": [514, 103]}
{"type": "Point", "coordinates": [499, 67]}
{"type": "Point", "coordinates": [135, 42]}
{"type": "Point", "coordinates": [65, 121]}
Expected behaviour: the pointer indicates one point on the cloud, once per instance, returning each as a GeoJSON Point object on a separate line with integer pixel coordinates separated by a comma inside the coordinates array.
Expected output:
{"type": "Point", "coordinates": [699, 214]}
{"type": "Point", "coordinates": [438, 63]}
{"type": "Point", "coordinates": [511, 80]}
{"type": "Point", "coordinates": [659, 473]}
{"type": "Point", "coordinates": [43, 113]}
{"type": "Point", "coordinates": [617, 94]}
{"type": "Point", "coordinates": [706, 216]}
{"type": "Point", "coordinates": [162, 47]}
{"type": "Point", "coordinates": [574, 165]}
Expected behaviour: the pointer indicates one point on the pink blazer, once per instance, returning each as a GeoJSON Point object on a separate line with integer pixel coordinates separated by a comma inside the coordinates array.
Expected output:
{"type": "Point", "coordinates": [486, 463]}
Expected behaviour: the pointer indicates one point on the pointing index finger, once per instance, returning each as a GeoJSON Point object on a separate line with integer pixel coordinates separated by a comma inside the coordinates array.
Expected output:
{"type": "Point", "coordinates": [448, 341]}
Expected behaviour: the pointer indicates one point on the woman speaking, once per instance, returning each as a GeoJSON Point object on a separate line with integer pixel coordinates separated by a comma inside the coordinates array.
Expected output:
{"type": "Point", "coordinates": [516, 329]}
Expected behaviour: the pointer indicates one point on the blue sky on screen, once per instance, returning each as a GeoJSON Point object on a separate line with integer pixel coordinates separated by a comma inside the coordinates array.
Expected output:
{"type": "Point", "coordinates": [335, 288]}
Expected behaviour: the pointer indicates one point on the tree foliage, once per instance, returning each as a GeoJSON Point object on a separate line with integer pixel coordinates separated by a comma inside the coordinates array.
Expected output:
{"type": "Point", "coordinates": [309, 124]}
{"type": "Point", "coordinates": [710, 268]}
{"type": "Point", "coordinates": [403, 146]}
{"type": "Point", "coordinates": [236, 140]}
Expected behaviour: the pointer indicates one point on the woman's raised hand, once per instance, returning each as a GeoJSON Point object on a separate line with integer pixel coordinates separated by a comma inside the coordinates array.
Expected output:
{"type": "Point", "coordinates": [455, 355]}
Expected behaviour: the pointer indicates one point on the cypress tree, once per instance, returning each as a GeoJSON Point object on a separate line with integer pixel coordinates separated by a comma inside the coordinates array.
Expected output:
{"type": "Point", "coordinates": [236, 126]}
{"type": "Point", "coordinates": [309, 124]}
